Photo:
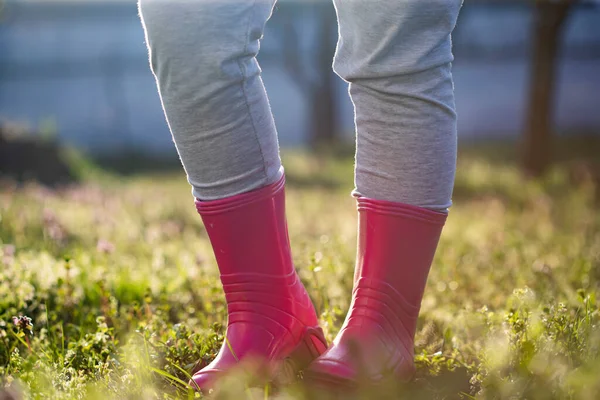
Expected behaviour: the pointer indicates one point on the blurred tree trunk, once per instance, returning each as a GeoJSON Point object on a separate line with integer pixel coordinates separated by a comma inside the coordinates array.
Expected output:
{"type": "Point", "coordinates": [549, 21]}
{"type": "Point", "coordinates": [319, 88]}
{"type": "Point", "coordinates": [2, 141]}
{"type": "Point", "coordinates": [324, 117]}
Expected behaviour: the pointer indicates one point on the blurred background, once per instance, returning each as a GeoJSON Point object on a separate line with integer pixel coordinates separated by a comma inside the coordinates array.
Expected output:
{"type": "Point", "coordinates": [76, 73]}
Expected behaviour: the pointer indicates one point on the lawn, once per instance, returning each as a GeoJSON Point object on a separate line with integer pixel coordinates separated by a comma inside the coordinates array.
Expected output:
{"type": "Point", "coordinates": [109, 290]}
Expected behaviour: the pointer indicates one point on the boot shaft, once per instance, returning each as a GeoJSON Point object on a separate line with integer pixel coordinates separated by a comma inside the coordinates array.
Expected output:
{"type": "Point", "coordinates": [249, 236]}
{"type": "Point", "coordinates": [249, 231]}
{"type": "Point", "coordinates": [396, 246]}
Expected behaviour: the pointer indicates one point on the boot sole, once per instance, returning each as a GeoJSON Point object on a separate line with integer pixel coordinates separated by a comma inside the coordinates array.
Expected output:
{"type": "Point", "coordinates": [330, 382]}
{"type": "Point", "coordinates": [333, 383]}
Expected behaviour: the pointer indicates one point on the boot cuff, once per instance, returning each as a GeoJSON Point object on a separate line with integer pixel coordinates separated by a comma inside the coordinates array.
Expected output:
{"type": "Point", "coordinates": [220, 206]}
{"type": "Point", "coordinates": [400, 210]}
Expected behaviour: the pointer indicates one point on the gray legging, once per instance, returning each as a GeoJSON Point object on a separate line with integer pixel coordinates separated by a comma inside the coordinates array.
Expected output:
{"type": "Point", "coordinates": [395, 54]}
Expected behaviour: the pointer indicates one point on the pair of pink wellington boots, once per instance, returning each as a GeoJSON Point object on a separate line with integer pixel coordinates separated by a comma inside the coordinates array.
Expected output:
{"type": "Point", "coordinates": [271, 317]}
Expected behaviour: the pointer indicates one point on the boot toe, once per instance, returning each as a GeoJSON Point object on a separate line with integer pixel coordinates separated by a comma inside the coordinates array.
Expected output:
{"type": "Point", "coordinates": [204, 380]}
{"type": "Point", "coordinates": [331, 373]}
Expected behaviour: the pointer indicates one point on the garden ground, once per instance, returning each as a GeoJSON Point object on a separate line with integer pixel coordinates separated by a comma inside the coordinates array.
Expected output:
{"type": "Point", "coordinates": [116, 293]}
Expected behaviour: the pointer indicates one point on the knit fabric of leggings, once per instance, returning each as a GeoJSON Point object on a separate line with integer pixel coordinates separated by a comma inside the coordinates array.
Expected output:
{"type": "Point", "coordinates": [395, 55]}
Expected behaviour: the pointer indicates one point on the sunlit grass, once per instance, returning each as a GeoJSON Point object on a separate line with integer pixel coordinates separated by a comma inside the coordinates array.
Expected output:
{"type": "Point", "coordinates": [119, 280]}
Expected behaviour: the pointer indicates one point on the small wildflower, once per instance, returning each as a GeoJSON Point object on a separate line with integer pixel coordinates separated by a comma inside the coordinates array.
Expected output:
{"type": "Point", "coordinates": [8, 253]}
{"type": "Point", "coordinates": [104, 246]}
{"type": "Point", "coordinates": [2, 329]}
{"type": "Point", "coordinates": [53, 227]}
{"type": "Point", "coordinates": [9, 250]}
{"type": "Point", "coordinates": [23, 323]}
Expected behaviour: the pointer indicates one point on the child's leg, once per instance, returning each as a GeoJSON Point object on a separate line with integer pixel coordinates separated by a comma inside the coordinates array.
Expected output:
{"type": "Point", "coordinates": [396, 56]}
{"type": "Point", "coordinates": [203, 54]}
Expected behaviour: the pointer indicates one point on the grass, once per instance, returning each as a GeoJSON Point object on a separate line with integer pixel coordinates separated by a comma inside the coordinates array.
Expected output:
{"type": "Point", "coordinates": [118, 280]}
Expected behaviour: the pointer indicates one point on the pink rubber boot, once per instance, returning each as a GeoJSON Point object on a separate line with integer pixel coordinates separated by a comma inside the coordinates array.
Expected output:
{"type": "Point", "coordinates": [271, 318]}
{"type": "Point", "coordinates": [396, 245]}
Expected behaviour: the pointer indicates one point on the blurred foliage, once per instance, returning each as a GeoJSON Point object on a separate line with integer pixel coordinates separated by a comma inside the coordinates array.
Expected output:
{"type": "Point", "coordinates": [118, 278]}
{"type": "Point", "coordinates": [29, 155]}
